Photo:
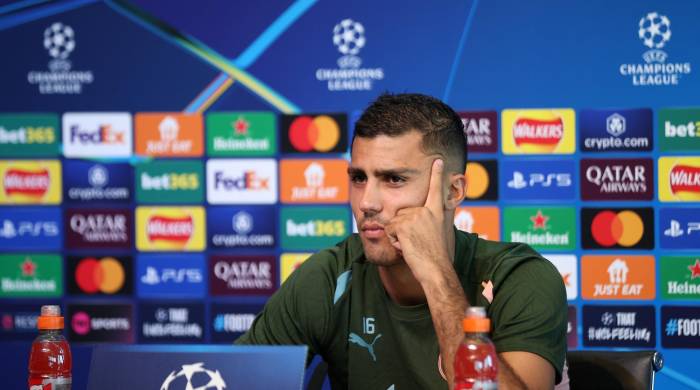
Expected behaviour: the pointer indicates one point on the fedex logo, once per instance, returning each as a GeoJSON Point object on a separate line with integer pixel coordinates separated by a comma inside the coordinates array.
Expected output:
{"type": "Point", "coordinates": [239, 181]}
{"type": "Point", "coordinates": [538, 179]}
{"type": "Point", "coordinates": [97, 134]}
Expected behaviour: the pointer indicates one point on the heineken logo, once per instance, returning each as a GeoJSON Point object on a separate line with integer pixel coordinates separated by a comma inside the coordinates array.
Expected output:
{"type": "Point", "coordinates": [542, 228]}
{"type": "Point", "coordinates": [30, 276]}
{"type": "Point", "coordinates": [680, 277]}
{"type": "Point", "coordinates": [241, 134]}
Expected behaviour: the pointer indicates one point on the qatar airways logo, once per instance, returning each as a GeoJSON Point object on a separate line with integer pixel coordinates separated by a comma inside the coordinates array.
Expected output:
{"type": "Point", "coordinates": [617, 179]}
{"type": "Point", "coordinates": [98, 228]}
{"type": "Point", "coordinates": [33, 183]}
{"type": "Point", "coordinates": [243, 275]}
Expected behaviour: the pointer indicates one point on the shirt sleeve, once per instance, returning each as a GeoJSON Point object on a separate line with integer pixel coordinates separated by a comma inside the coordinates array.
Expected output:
{"type": "Point", "coordinates": [529, 311]}
{"type": "Point", "coordinates": [299, 312]}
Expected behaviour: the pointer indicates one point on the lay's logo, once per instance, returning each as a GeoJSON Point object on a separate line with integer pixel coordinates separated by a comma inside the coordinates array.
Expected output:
{"type": "Point", "coordinates": [30, 182]}
{"type": "Point", "coordinates": [538, 131]}
{"type": "Point", "coordinates": [170, 228]}
{"type": "Point", "coordinates": [679, 179]}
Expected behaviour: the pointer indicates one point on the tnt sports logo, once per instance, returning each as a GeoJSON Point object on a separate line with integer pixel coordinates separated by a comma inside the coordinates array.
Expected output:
{"type": "Point", "coordinates": [192, 374]}
{"type": "Point", "coordinates": [482, 180]}
{"type": "Point", "coordinates": [251, 181]}
{"type": "Point", "coordinates": [618, 228]}
{"type": "Point", "coordinates": [314, 181]}
{"type": "Point", "coordinates": [59, 40]}
{"type": "Point", "coordinates": [30, 182]}
{"type": "Point", "coordinates": [325, 133]}
{"type": "Point", "coordinates": [97, 134]}
{"type": "Point", "coordinates": [618, 277]}
{"type": "Point", "coordinates": [543, 131]}
{"type": "Point", "coordinates": [100, 323]}
{"type": "Point", "coordinates": [679, 179]}
{"type": "Point", "coordinates": [169, 134]}
{"type": "Point", "coordinates": [170, 228]}
{"type": "Point", "coordinates": [105, 275]}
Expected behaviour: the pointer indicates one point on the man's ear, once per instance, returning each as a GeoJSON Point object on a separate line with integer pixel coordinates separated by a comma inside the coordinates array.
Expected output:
{"type": "Point", "coordinates": [456, 190]}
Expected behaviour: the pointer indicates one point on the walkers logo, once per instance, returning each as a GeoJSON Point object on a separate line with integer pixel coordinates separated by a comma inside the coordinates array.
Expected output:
{"type": "Point", "coordinates": [484, 221]}
{"type": "Point", "coordinates": [679, 129]}
{"type": "Point", "coordinates": [98, 228]}
{"type": "Point", "coordinates": [170, 182]}
{"type": "Point", "coordinates": [289, 262]}
{"type": "Point", "coordinates": [109, 275]}
{"type": "Point", "coordinates": [31, 228]}
{"type": "Point", "coordinates": [571, 328]}
{"type": "Point", "coordinates": [60, 41]}
{"type": "Point", "coordinates": [314, 181]}
{"type": "Point", "coordinates": [615, 130]}
{"type": "Point", "coordinates": [619, 326]}
{"type": "Point", "coordinates": [111, 323]}
{"type": "Point", "coordinates": [242, 227]}
{"type": "Point", "coordinates": [618, 277]}
{"type": "Point", "coordinates": [170, 229]}
{"type": "Point", "coordinates": [349, 38]}
{"type": "Point", "coordinates": [655, 33]}
{"type": "Point", "coordinates": [242, 275]}
{"type": "Point", "coordinates": [169, 134]}
{"type": "Point", "coordinates": [544, 131]}
{"type": "Point", "coordinates": [481, 130]}
{"type": "Point", "coordinates": [230, 321]}
{"type": "Point", "coordinates": [245, 134]}
{"type": "Point", "coordinates": [482, 180]}
{"type": "Point", "coordinates": [679, 179]}
{"type": "Point", "coordinates": [680, 277]}
{"type": "Point", "coordinates": [89, 182]}
{"type": "Point", "coordinates": [566, 264]}
{"type": "Point", "coordinates": [97, 135]}
{"type": "Point", "coordinates": [309, 228]}
{"type": "Point", "coordinates": [37, 182]}
{"type": "Point", "coordinates": [679, 228]}
{"type": "Point", "coordinates": [538, 179]}
{"type": "Point", "coordinates": [327, 133]}
{"type": "Point", "coordinates": [24, 135]}
{"type": "Point", "coordinates": [628, 179]}
{"type": "Point", "coordinates": [541, 227]}
{"type": "Point", "coordinates": [171, 276]}
{"type": "Point", "coordinates": [617, 228]}
{"type": "Point", "coordinates": [171, 323]}
{"type": "Point", "coordinates": [681, 327]}
{"type": "Point", "coordinates": [30, 276]}
{"type": "Point", "coordinates": [252, 181]}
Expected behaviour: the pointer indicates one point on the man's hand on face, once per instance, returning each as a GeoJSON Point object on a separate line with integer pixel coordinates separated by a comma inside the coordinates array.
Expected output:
{"type": "Point", "coordinates": [419, 232]}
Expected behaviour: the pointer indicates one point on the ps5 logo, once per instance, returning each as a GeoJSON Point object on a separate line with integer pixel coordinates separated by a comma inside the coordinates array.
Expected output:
{"type": "Point", "coordinates": [521, 181]}
{"type": "Point", "coordinates": [171, 275]}
{"type": "Point", "coordinates": [9, 229]}
{"type": "Point", "coordinates": [675, 229]}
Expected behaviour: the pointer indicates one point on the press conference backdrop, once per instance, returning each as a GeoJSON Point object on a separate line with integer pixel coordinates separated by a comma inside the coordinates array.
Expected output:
{"type": "Point", "coordinates": [166, 166]}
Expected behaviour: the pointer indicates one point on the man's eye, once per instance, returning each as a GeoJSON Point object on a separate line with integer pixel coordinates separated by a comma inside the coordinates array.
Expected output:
{"type": "Point", "coordinates": [358, 178]}
{"type": "Point", "coordinates": [396, 179]}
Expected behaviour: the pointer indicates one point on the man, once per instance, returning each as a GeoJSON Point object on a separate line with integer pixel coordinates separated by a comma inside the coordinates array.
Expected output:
{"type": "Point", "coordinates": [384, 307]}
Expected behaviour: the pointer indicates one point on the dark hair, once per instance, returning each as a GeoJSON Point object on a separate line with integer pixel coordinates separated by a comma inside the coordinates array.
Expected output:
{"type": "Point", "coordinates": [441, 127]}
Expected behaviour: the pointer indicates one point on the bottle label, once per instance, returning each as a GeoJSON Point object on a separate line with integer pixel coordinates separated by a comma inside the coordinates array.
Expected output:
{"type": "Point", "coordinates": [50, 384]}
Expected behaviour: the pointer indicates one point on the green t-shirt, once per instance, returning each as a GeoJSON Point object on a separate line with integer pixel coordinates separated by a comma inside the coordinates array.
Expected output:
{"type": "Point", "coordinates": [335, 304]}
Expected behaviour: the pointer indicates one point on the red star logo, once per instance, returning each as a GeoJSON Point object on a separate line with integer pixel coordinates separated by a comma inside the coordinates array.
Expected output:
{"type": "Point", "coordinates": [695, 269]}
{"type": "Point", "coordinates": [565, 277]}
{"type": "Point", "coordinates": [539, 221]}
{"type": "Point", "coordinates": [240, 126]}
{"type": "Point", "coordinates": [28, 267]}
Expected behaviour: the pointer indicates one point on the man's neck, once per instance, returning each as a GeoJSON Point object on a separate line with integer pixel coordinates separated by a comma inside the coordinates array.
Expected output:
{"type": "Point", "coordinates": [400, 283]}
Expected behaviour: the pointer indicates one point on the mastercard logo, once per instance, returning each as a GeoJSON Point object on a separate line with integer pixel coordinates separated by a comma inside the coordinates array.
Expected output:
{"type": "Point", "coordinates": [480, 175]}
{"type": "Point", "coordinates": [624, 228]}
{"type": "Point", "coordinates": [320, 133]}
{"type": "Point", "coordinates": [105, 275]}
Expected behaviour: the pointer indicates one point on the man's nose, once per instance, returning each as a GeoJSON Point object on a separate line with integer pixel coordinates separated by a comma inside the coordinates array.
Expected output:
{"type": "Point", "coordinates": [371, 201]}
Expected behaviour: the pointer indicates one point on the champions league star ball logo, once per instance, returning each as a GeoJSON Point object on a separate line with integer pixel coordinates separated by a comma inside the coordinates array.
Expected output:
{"type": "Point", "coordinates": [59, 40]}
{"type": "Point", "coordinates": [194, 377]}
{"type": "Point", "coordinates": [654, 30]}
{"type": "Point", "coordinates": [349, 36]}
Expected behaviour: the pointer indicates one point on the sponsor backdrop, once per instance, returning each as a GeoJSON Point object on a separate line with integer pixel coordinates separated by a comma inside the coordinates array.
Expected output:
{"type": "Point", "coordinates": [162, 182]}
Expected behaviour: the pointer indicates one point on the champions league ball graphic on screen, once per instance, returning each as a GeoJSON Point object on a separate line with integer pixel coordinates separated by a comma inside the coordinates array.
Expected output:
{"type": "Point", "coordinates": [349, 36]}
{"type": "Point", "coordinates": [59, 40]}
{"type": "Point", "coordinates": [194, 377]}
{"type": "Point", "coordinates": [654, 30]}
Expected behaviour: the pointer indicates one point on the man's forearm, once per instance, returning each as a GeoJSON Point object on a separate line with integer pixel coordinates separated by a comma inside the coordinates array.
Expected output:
{"type": "Point", "coordinates": [507, 378]}
{"type": "Point", "coordinates": [447, 304]}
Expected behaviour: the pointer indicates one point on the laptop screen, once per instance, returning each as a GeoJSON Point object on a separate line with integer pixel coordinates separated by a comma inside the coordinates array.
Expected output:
{"type": "Point", "coordinates": [200, 367]}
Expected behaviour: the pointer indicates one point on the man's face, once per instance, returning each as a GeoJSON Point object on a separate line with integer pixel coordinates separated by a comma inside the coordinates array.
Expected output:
{"type": "Point", "coordinates": [386, 175]}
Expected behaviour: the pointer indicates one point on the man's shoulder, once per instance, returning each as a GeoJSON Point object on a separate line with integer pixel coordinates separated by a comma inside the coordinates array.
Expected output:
{"type": "Point", "coordinates": [327, 265]}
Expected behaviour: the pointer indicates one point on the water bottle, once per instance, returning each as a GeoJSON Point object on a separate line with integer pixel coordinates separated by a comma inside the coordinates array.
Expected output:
{"type": "Point", "coordinates": [50, 361]}
{"type": "Point", "coordinates": [476, 362]}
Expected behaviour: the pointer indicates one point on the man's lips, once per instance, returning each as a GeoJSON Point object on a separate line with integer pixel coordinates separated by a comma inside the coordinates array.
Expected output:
{"type": "Point", "coordinates": [372, 230]}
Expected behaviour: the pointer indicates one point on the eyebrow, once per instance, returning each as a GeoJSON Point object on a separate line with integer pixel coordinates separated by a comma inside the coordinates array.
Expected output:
{"type": "Point", "coordinates": [386, 172]}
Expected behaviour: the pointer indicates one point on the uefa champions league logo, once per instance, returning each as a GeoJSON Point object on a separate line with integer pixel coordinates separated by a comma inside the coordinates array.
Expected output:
{"type": "Point", "coordinates": [349, 38]}
{"type": "Point", "coordinates": [194, 377]}
{"type": "Point", "coordinates": [655, 32]}
{"type": "Point", "coordinates": [59, 40]}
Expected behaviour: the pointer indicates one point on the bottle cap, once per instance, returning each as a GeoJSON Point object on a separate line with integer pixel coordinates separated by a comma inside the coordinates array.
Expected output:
{"type": "Point", "coordinates": [50, 318]}
{"type": "Point", "coordinates": [476, 321]}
